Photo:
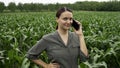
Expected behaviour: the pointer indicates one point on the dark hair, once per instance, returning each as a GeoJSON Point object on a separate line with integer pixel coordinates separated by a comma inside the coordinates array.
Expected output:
{"type": "Point", "coordinates": [60, 11]}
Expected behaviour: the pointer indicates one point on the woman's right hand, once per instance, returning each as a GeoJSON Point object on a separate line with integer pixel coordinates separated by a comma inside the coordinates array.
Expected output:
{"type": "Point", "coordinates": [53, 65]}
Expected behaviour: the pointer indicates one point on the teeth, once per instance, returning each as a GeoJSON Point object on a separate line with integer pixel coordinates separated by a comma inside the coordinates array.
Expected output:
{"type": "Point", "coordinates": [67, 25]}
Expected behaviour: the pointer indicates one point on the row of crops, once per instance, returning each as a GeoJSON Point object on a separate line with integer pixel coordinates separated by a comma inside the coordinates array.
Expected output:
{"type": "Point", "coordinates": [20, 31]}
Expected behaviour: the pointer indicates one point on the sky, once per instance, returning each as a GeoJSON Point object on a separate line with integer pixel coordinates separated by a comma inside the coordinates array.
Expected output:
{"type": "Point", "coordinates": [6, 2]}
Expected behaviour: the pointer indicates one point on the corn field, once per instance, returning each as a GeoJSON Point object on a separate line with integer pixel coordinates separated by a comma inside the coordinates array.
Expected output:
{"type": "Point", "coordinates": [20, 31]}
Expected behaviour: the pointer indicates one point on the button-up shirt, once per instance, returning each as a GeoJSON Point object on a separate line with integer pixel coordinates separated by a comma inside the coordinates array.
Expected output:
{"type": "Point", "coordinates": [65, 55]}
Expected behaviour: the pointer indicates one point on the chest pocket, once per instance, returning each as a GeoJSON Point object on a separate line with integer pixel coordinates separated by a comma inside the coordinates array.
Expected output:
{"type": "Point", "coordinates": [56, 51]}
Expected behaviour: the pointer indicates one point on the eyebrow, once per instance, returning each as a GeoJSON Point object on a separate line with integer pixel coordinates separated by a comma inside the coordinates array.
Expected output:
{"type": "Point", "coordinates": [67, 17]}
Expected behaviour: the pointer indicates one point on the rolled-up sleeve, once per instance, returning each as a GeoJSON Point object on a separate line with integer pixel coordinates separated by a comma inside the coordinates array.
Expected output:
{"type": "Point", "coordinates": [36, 50]}
{"type": "Point", "coordinates": [83, 57]}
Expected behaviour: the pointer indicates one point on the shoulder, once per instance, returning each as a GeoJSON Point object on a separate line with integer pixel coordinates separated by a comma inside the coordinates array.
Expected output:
{"type": "Point", "coordinates": [75, 39]}
{"type": "Point", "coordinates": [49, 36]}
{"type": "Point", "coordinates": [74, 35]}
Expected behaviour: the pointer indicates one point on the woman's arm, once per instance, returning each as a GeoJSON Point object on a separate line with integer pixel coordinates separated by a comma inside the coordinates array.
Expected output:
{"type": "Point", "coordinates": [45, 65]}
{"type": "Point", "coordinates": [82, 44]}
{"type": "Point", "coordinates": [40, 63]}
{"type": "Point", "coordinates": [80, 34]}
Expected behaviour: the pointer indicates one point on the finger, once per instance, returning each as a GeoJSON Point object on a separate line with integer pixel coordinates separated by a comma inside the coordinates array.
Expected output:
{"type": "Point", "coordinates": [56, 65]}
{"type": "Point", "coordinates": [78, 22]}
{"type": "Point", "coordinates": [51, 65]}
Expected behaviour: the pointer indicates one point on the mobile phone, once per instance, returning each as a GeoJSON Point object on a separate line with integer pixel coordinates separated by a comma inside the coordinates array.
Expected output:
{"type": "Point", "coordinates": [75, 25]}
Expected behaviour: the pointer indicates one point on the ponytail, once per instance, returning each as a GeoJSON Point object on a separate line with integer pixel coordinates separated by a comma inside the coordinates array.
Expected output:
{"type": "Point", "coordinates": [56, 27]}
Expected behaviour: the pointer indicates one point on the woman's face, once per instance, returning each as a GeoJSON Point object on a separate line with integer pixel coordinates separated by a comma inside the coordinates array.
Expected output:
{"type": "Point", "coordinates": [65, 20]}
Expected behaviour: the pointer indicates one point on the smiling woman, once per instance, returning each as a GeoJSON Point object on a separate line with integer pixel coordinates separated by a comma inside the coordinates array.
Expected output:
{"type": "Point", "coordinates": [62, 46]}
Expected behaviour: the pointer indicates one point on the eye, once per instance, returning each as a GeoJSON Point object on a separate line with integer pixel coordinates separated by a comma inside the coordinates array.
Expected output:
{"type": "Point", "coordinates": [71, 19]}
{"type": "Point", "coordinates": [65, 18]}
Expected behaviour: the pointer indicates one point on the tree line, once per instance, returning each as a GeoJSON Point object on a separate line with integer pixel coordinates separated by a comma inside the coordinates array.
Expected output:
{"type": "Point", "coordinates": [84, 6]}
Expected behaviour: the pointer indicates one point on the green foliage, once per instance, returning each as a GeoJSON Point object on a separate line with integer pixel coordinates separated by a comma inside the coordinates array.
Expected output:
{"type": "Point", "coordinates": [20, 31]}
{"type": "Point", "coordinates": [20, 7]}
{"type": "Point", "coordinates": [78, 6]}
{"type": "Point", "coordinates": [12, 7]}
{"type": "Point", "coordinates": [2, 6]}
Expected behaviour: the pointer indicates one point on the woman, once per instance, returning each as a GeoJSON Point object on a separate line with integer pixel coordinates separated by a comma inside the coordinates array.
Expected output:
{"type": "Point", "coordinates": [62, 46]}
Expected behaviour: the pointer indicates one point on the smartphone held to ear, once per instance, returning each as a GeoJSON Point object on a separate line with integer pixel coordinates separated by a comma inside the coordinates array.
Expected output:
{"type": "Point", "coordinates": [75, 25]}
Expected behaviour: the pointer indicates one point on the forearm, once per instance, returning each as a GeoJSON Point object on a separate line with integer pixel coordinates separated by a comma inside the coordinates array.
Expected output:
{"type": "Point", "coordinates": [40, 63]}
{"type": "Point", "coordinates": [83, 47]}
{"type": "Point", "coordinates": [83, 44]}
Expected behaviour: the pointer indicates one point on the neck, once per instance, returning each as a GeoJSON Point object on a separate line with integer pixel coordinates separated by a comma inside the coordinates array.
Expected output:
{"type": "Point", "coordinates": [63, 32]}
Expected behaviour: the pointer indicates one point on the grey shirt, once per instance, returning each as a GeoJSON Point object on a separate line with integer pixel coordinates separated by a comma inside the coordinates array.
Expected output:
{"type": "Point", "coordinates": [66, 55]}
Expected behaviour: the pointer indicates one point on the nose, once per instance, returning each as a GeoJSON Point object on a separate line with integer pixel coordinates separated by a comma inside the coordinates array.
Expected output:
{"type": "Point", "coordinates": [69, 21]}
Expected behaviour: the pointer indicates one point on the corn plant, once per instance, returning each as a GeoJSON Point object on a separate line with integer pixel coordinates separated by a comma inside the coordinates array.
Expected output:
{"type": "Point", "coordinates": [20, 31]}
